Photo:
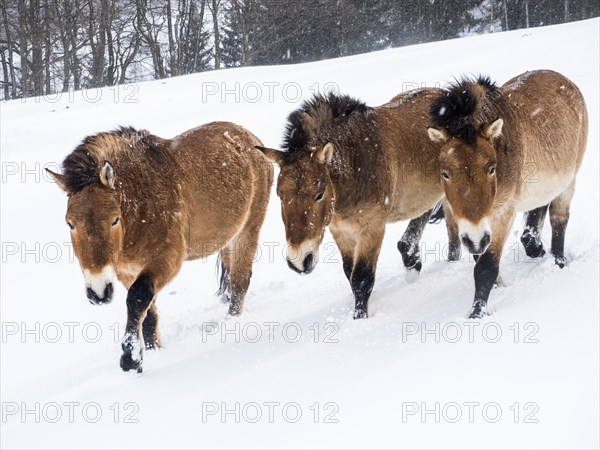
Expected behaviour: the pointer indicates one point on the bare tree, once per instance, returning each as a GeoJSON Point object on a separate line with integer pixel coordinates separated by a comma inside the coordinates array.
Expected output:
{"type": "Point", "coordinates": [214, 9]}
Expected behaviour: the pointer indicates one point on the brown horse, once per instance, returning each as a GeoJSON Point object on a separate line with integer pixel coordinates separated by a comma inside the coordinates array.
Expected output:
{"type": "Point", "coordinates": [140, 205]}
{"type": "Point", "coordinates": [356, 168]}
{"type": "Point", "coordinates": [505, 149]}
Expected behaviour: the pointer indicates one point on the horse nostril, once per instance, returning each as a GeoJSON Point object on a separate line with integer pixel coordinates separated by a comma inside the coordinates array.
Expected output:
{"type": "Point", "coordinates": [485, 240]}
{"type": "Point", "coordinates": [307, 264]}
{"type": "Point", "coordinates": [90, 293]}
{"type": "Point", "coordinates": [108, 291]}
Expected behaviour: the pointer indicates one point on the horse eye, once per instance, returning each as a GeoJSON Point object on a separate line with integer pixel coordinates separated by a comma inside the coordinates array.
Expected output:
{"type": "Point", "coordinates": [492, 171]}
{"type": "Point", "coordinates": [319, 197]}
{"type": "Point", "coordinates": [114, 224]}
{"type": "Point", "coordinates": [446, 176]}
{"type": "Point", "coordinates": [71, 226]}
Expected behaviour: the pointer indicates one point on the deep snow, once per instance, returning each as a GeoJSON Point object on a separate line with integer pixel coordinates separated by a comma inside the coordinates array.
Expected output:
{"type": "Point", "coordinates": [378, 377]}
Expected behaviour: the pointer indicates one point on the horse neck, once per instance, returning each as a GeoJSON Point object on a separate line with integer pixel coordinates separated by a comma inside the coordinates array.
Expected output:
{"type": "Point", "coordinates": [351, 169]}
{"type": "Point", "coordinates": [136, 201]}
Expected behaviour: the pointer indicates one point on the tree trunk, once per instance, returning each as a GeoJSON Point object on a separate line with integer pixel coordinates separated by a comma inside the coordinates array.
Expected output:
{"type": "Point", "coordinates": [526, 13]}
{"type": "Point", "coordinates": [199, 33]}
{"type": "Point", "coordinates": [37, 63]}
{"type": "Point", "coordinates": [217, 37]}
{"type": "Point", "coordinates": [172, 54]}
{"type": "Point", "coordinates": [24, 49]}
{"type": "Point", "coordinates": [47, 48]}
{"type": "Point", "coordinates": [6, 94]}
{"type": "Point", "coordinates": [9, 43]}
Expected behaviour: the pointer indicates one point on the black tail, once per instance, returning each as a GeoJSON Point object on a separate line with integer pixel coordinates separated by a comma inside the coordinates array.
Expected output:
{"type": "Point", "coordinates": [224, 278]}
{"type": "Point", "coordinates": [437, 213]}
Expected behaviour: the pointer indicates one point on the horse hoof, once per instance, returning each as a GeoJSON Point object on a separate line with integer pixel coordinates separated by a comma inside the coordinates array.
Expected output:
{"type": "Point", "coordinates": [478, 313]}
{"type": "Point", "coordinates": [360, 314]}
{"type": "Point", "coordinates": [417, 267]}
{"type": "Point", "coordinates": [454, 255]}
{"type": "Point", "coordinates": [128, 363]}
{"type": "Point", "coordinates": [534, 248]}
{"type": "Point", "coordinates": [233, 312]}
{"type": "Point", "coordinates": [411, 259]}
{"type": "Point", "coordinates": [560, 261]}
{"type": "Point", "coordinates": [132, 354]}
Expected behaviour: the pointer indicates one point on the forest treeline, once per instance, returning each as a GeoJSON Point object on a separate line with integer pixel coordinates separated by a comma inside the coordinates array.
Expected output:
{"type": "Point", "coordinates": [50, 46]}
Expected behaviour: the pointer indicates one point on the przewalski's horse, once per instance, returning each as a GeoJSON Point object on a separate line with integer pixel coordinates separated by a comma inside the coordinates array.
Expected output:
{"type": "Point", "coordinates": [356, 168]}
{"type": "Point", "coordinates": [140, 205]}
{"type": "Point", "coordinates": [505, 149]}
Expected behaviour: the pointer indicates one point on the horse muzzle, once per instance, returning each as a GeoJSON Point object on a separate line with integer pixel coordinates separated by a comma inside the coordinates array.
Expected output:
{"type": "Point", "coordinates": [308, 265]}
{"type": "Point", "coordinates": [106, 298]}
{"type": "Point", "coordinates": [99, 287]}
{"type": "Point", "coordinates": [475, 237]}
{"type": "Point", "coordinates": [302, 259]}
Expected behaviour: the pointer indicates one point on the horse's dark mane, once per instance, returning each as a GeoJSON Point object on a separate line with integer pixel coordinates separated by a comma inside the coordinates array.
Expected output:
{"type": "Point", "coordinates": [460, 108]}
{"type": "Point", "coordinates": [315, 113]}
{"type": "Point", "coordinates": [82, 167]}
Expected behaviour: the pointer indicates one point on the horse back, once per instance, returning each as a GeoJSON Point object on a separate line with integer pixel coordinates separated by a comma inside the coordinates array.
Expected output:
{"type": "Point", "coordinates": [411, 155]}
{"type": "Point", "coordinates": [547, 130]}
{"type": "Point", "coordinates": [221, 177]}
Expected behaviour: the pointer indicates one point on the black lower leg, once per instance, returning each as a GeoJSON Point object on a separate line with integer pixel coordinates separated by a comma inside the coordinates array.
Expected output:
{"type": "Point", "coordinates": [531, 237]}
{"type": "Point", "coordinates": [139, 297]}
{"type": "Point", "coordinates": [362, 281]}
{"type": "Point", "coordinates": [150, 329]}
{"type": "Point", "coordinates": [558, 243]}
{"type": "Point", "coordinates": [408, 245]}
{"type": "Point", "coordinates": [347, 262]}
{"type": "Point", "coordinates": [238, 290]}
{"type": "Point", "coordinates": [486, 273]}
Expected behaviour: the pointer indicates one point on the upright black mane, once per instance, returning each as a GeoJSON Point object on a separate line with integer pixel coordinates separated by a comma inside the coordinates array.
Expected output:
{"type": "Point", "coordinates": [459, 108]}
{"type": "Point", "coordinates": [314, 113]}
{"type": "Point", "coordinates": [82, 167]}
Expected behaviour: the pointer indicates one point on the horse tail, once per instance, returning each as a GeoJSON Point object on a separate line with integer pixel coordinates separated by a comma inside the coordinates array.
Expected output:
{"type": "Point", "coordinates": [437, 213]}
{"type": "Point", "coordinates": [223, 277]}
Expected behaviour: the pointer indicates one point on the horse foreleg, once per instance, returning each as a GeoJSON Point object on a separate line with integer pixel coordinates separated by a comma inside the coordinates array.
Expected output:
{"type": "Point", "coordinates": [454, 249]}
{"type": "Point", "coordinates": [531, 237]}
{"type": "Point", "coordinates": [150, 328]}
{"type": "Point", "coordinates": [487, 266]}
{"type": "Point", "coordinates": [139, 297]}
{"type": "Point", "coordinates": [559, 218]}
{"type": "Point", "coordinates": [346, 244]}
{"type": "Point", "coordinates": [408, 245]}
{"type": "Point", "coordinates": [362, 279]}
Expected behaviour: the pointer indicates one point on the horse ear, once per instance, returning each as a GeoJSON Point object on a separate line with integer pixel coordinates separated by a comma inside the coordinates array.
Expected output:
{"type": "Point", "coordinates": [437, 136]}
{"type": "Point", "coordinates": [493, 129]}
{"type": "Point", "coordinates": [60, 179]}
{"type": "Point", "coordinates": [326, 153]}
{"type": "Point", "coordinates": [107, 175]}
{"type": "Point", "coordinates": [275, 156]}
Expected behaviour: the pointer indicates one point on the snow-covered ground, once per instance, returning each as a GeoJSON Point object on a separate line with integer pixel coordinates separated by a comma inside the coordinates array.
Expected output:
{"type": "Point", "coordinates": [295, 370]}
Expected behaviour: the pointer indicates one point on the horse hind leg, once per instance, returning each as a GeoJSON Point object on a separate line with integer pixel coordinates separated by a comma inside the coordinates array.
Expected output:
{"type": "Point", "coordinates": [150, 328]}
{"type": "Point", "coordinates": [223, 265]}
{"type": "Point", "coordinates": [408, 245]}
{"type": "Point", "coordinates": [531, 237]}
{"type": "Point", "coordinates": [243, 251]}
{"type": "Point", "coordinates": [454, 250]}
{"type": "Point", "coordinates": [559, 218]}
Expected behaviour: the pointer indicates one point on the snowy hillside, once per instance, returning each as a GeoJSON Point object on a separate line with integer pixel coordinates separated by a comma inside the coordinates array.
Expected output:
{"type": "Point", "coordinates": [295, 370]}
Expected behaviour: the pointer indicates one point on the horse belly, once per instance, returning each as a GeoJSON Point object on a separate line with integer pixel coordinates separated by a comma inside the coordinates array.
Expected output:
{"type": "Point", "coordinates": [541, 189]}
